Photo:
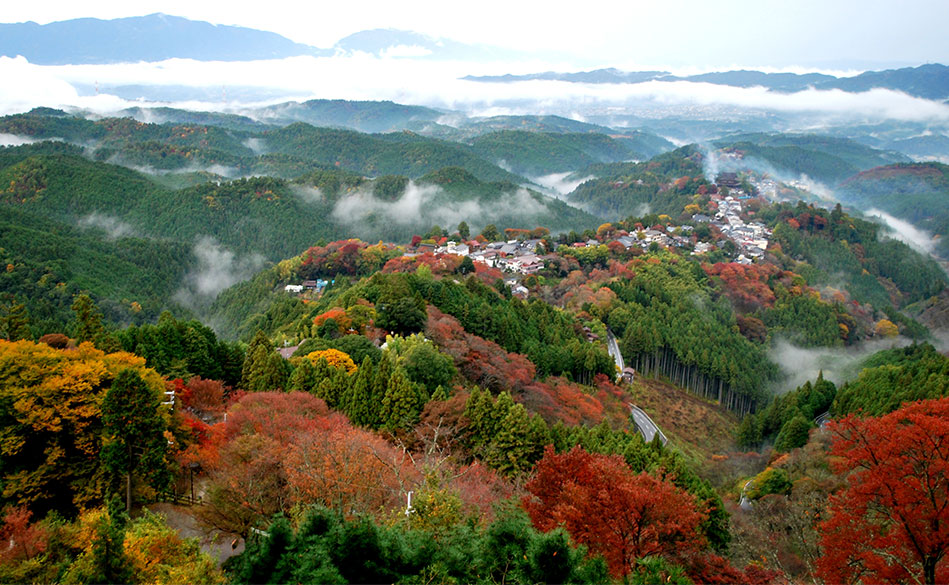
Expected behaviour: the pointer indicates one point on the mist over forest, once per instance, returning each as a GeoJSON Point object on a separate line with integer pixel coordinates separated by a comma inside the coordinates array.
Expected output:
{"type": "Point", "coordinates": [367, 304]}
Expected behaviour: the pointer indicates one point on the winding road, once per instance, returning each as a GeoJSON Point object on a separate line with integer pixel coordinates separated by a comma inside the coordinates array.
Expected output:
{"type": "Point", "coordinates": [613, 348]}
{"type": "Point", "coordinates": [643, 423]}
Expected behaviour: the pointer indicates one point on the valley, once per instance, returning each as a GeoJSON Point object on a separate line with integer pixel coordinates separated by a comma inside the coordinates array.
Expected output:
{"type": "Point", "coordinates": [570, 327]}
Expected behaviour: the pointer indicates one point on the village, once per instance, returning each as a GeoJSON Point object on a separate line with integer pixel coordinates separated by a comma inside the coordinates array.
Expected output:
{"type": "Point", "coordinates": [522, 256]}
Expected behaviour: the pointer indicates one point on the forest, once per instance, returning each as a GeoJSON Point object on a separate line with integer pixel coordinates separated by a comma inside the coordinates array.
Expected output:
{"type": "Point", "coordinates": [209, 373]}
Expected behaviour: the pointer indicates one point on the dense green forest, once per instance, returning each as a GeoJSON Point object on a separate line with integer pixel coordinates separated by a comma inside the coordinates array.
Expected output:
{"type": "Point", "coordinates": [822, 158]}
{"type": "Point", "coordinates": [913, 192]}
{"type": "Point", "coordinates": [401, 415]}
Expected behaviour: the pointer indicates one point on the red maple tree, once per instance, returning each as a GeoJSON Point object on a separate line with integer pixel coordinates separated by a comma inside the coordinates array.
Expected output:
{"type": "Point", "coordinates": [620, 514]}
{"type": "Point", "coordinates": [890, 524]}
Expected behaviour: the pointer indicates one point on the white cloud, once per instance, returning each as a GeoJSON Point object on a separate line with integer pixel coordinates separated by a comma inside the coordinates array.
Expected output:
{"type": "Point", "coordinates": [114, 227]}
{"type": "Point", "coordinates": [417, 206]}
{"type": "Point", "coordinates": [838, 364]}
{"type": "Point", "coordinates": [14, 140]}
{"type": "Point", "coordinates": [438, 84]}
{"type": "Point", "coordinates": [217, 269]}
{"type": "Point", "coordinates": [560, 184]}
{"type": "Point", "coordinates": [904, 231]}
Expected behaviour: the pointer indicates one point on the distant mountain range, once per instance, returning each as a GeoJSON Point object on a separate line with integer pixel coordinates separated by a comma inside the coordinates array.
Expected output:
{"type": "Point", "coordinates": [142, 38]}
{"type": "Point", "coordinates": [157, 37]}
{"type": "Point", "coordinates": [929, 81]}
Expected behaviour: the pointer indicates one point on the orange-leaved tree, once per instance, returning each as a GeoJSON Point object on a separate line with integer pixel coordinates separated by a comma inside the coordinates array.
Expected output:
{"type": "Point", "coordinates": [616, 512]}
{"type": "Point", "coordinates": [890, 524]}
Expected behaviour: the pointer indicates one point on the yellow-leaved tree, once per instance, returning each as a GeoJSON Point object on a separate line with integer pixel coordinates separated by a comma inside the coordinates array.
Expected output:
{"type": "Point", "coordinates": [51, 430]}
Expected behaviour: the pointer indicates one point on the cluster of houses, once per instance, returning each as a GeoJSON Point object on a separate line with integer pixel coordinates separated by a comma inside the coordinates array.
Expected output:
{"type": "Point", "coordinates": [315, 285]}
{"type": "Point", "coordinates": [751, 238]}
{"type": "Point", "coordinates": [512, 256]}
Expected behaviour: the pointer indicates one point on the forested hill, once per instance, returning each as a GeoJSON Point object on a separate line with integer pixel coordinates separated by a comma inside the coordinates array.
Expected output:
{"type": "Point", "coordinates": [537, 153]}
{"type": "Point", "coordinates": [822, 158]}
{"type": "Point", "coordinates": [914, 192]}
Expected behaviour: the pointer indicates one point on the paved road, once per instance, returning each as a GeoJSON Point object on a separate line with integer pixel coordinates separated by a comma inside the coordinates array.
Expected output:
{"type": "Point", "coordinates": [745, 503]}
{"type": "Point", "coordinates": [613, 348]}
{"type": "Point", "coordinates": [645, 425]}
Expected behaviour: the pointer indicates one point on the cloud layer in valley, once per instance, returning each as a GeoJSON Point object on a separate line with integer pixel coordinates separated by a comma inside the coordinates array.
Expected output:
{"type": "Point", "coordinates": [801, 364]}
{"type": "Point", "coordinates": [216, 269]}
{"type": "Point", "coordinates": [437, 84]}
{"type": "Point", "coordinates": [361, 209]}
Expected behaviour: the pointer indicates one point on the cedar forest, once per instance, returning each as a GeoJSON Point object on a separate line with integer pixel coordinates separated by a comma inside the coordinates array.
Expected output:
{"type": "Point", "coordinates": [187, 354]}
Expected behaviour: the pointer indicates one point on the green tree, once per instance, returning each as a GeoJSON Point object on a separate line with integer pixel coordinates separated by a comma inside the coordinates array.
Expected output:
{"type": "Point", "coordinates": [404, 315]}
{"type": "Point", "coordinates": [134, 432]}
{"type": "Point", "coordinates": [463, 230]}
{"type": "Point", "coordinates": [360, 408]}
{"type": "Point", "coordinates": [466, 267]}
{"type": "Point", "coordinates": [793, 434]}
{"type": "Point", "coordinates": [491, 233]}
{"type": "Point", "coordinates": [304, 378]}
{"type": "Point", "coordinates": [15, 325]}
{"type": "Point", "coordinates": [402, 403]}
{"type": "Point", "coordinates": [88, 323]}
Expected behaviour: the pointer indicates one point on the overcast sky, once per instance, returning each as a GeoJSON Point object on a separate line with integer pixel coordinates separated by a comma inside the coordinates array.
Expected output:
{"type": "Point", "coordinates": [630, 34]}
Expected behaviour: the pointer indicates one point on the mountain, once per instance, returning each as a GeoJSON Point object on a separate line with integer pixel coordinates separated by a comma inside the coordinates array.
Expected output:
{"type": "Point", "coordinates": [539, 153]}
{"type": "Point", "coordinates": [155, 37]}
{"type": "Point", "coordinates": [930, 81]}
{"type": "Point", "coordinates": [916, 193]}
{"type": "Point", "coordinates": [402, 43]}
{"type": "Point", "coordinates": [823, 158]}
{"type": "Point", "coordinates": [364, 116]}
{"type": "Point", "coordinates": [399, 153]}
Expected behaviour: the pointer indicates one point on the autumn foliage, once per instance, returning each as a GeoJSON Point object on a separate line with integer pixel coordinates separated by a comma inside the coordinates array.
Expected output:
{"type": "Point", "coordinates": [891, 522]}
{"type": "Point", "coordinates": [620, 514]}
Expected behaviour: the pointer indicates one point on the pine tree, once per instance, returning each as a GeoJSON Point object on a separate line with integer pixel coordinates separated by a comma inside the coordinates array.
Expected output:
{"type": "Point", "coordinates": [257, 351]}
{"type": "Point", "coordinates": [512, 449]}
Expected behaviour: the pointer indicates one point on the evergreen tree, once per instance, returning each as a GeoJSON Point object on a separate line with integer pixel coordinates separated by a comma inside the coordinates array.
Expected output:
{"type": "Point", "coordinates": [88, 323]}
{"type": "Point", "coordinates": [463, 230]}
{"type": "Point", "coordinates": [15, 325]}
{"type": "Point", "coordinates": [110, 563]}
{"type": "Point", "coordinates": [257, 351]}
{"type": "Point", "coordinates": [304, 378]}
{"type": "Point", "coordinates": [512, 450]}
{"type": "Point", "coordinates": [793, 434]}
{"type": "Point", "coordinates": [402, 403]}
{"type": "Point", "coordinates": [134, 432]}
{"type": "Point", "coordinates": [360, 408]}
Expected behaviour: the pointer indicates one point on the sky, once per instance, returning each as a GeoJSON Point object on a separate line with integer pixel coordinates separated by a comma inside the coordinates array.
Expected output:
{"type": "Point", "coordinates": [630, 34]}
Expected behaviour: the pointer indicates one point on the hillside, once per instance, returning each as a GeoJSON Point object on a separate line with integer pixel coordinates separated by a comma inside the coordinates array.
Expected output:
{"type": "Point", "coordinates": [272, 217]}
{"type": "Point", "coordinates": [822, 158]}
{"type": "Point", "coordinates": [536, 153]}
{"type": "Point", "coordinates": [914, 192]}
{"type": "Point", "coordinates": [635, 189]}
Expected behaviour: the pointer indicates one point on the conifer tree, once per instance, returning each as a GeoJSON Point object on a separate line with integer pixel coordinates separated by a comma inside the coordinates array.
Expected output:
{"type": "Point", "coordinates": [304, 378]}
{"type": "Point", "coordinates": [88, 323]}
{"type": "Point", "coordinates": [512, 449]}
{"type": "Point", "coordinates": [16, 324]}
{"type": "Point", "coordinates": [134, 432]}
{"type": "Point", "coordinates": [360, 408]}
{"type": "Point", "coordinates": [257, 350]}
{"type": "Point", "coordinates": [402, 403]}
